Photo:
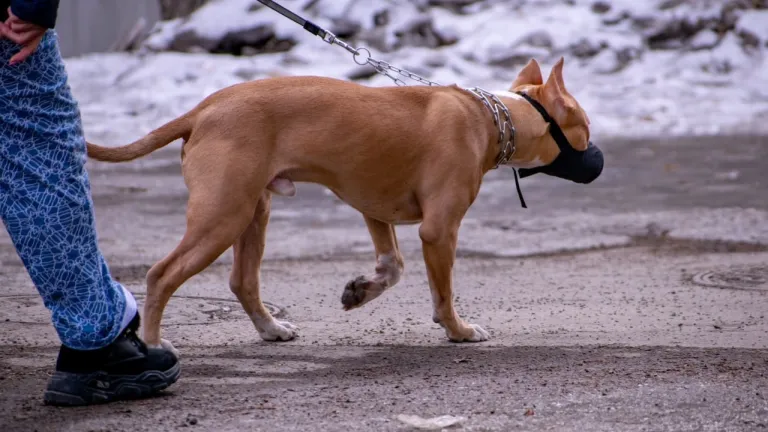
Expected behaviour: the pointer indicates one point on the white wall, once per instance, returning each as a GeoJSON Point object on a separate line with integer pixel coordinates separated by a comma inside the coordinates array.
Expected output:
{"type": "Point", "coordinates": [86, 26]}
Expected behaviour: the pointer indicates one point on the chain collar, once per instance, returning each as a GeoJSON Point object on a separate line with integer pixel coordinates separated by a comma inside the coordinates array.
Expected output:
{"type": "Point", "coordinates": [503, 121]}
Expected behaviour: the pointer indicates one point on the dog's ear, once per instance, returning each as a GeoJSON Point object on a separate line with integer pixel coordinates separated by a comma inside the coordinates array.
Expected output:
{"type": "Point", "coordinates": [557, 71]}
{"type": "Point", "coordinates": [531, 75]}
{"type": "Point", "coordinates": [554, 93]}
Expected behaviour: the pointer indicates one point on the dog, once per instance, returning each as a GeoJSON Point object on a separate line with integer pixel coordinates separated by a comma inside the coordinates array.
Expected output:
{"type": "Point", "coordinates": [398, 155]}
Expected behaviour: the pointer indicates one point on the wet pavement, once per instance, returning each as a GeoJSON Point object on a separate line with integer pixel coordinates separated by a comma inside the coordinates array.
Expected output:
{"type": "Point", "coordinates": [636, 303]}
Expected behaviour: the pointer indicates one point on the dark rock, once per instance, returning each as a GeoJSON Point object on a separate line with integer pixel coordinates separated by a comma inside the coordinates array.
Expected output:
{"type": "Point", "coordinates": [673, 33]}
{"type": "Point", "coordinates": [539, 38]}
{"type": "Point", "coordinates": [251, 41]}
{"type": "Point", "coordinates": [456, 6]}
{"type": "Point", "coordinates": [748, 39]}
{"type": "Point", "coordinates": [670, 4]}
{"type": "Point", "coordinates": [616, 19]}
{"type": "Point", "coordinates": [344, 28]}
{"type": "Point", "coordinates": [517, 56]}
{"type": "Point", "coordinates": [601, 7]}
{"type": "Point", "coordinates": [585, 48]}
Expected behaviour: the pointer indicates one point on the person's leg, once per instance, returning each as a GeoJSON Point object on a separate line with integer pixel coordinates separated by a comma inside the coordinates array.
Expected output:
{"type": "Point", "coordinates": [46, 206]}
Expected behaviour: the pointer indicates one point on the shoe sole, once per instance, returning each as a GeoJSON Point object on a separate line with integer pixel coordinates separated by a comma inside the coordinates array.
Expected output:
{"type": "Point", "coordinates": [70, 389]}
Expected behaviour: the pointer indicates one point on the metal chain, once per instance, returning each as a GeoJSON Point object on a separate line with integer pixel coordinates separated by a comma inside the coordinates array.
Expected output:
{"type": "Point", "coordinates": [380, 66]}
{"type": "Point", "coordinates": [490, 100]}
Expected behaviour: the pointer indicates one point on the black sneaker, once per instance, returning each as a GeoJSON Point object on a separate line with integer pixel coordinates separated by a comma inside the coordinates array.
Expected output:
{"type": "Point", "coordinates": [126, 369]}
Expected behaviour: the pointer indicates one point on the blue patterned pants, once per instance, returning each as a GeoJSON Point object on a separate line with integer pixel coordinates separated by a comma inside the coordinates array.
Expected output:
{"type": "Point", "coordinates": [45, 199]}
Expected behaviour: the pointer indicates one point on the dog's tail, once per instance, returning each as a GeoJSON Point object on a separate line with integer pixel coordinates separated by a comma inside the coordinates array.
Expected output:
{"type": "Point", "coordinates": [180, 127]}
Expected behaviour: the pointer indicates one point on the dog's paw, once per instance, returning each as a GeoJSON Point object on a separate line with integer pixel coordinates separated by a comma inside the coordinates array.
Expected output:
{"type": "Point", "coordinates": [278, 331]}
{"type": "Point", "coordinates": [479, 334]}
{"type": "Point", "coordinates": [360, 291]}
{"type": "Point", "coordinates": [472, 333]}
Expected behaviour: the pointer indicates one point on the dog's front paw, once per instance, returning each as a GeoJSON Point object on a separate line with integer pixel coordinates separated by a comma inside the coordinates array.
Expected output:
{"type": "Point", "coordinates": [278, 331]}
{"type": "Point", "coordinates": [470, 333]}
{"type": "Point", "coordinates": [360, 291]}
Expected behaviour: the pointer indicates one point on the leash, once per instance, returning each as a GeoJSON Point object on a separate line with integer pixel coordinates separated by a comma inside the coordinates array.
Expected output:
{"type": "Point", "coordinates": [362, 56]}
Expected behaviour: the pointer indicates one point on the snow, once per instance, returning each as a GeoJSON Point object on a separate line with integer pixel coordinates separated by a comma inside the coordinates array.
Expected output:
{"type": "Point", "coordinates": [706, 84]}
{"type": "Point", "coordinates": [756, 23]}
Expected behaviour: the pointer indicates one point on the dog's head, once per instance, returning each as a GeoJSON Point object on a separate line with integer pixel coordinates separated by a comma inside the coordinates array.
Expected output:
{"type": "Point", "coordinates": [558, 129]}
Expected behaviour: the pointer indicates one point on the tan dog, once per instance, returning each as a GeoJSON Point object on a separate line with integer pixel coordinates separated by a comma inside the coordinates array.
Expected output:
{"type": "Point", "coordinates": [399, 155]}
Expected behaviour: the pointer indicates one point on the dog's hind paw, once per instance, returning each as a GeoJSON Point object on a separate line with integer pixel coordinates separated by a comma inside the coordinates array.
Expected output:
{"type": "Point", "coordinates": [278, 331]}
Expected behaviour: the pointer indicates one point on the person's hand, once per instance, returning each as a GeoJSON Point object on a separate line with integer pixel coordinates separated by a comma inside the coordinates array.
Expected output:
{"type": "Point", "coordinates": [26, 34]}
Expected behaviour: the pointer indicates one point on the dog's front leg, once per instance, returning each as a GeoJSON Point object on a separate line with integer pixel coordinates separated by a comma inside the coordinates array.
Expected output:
{"type": "Point", "coordinates": [389, 267]}
{"type": "Point", "coordinates": [439, 236]}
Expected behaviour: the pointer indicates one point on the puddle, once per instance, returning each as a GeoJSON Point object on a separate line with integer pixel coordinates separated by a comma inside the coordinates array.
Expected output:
{"type": "Point", "coordinates": [750, 278]}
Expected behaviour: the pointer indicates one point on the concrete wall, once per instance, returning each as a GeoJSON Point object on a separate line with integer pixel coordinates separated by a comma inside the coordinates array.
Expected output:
{"type": "Point", "coordinates": [86, 26]}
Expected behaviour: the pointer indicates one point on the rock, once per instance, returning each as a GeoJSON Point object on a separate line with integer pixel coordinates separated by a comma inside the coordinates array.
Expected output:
{"type": "Point", "coordinates": [421, 32]}
{"type": "Point", "coordinates": [362, 73]}
{"type": "Point", "coordinates": [601, 7]}
{"type": "Point", "coordinates": [345, 28]}
{"type": "Point", "coordinates": [644, 22]}
{"type": "Point", "coordinates": [626, 55]}
{"type": "Point", "coordinates": [538, 38]}
{"type": "Point", "coordinates": [749, 40]}
{"type": "Point", "coordinates": [457, 6]}
{"type": "Point", "coordinates": [537, 44]}
{"type": "Point", "coordinates": [752, 27]}
{"type": "Point", "coordinates": [187, 40]}
{"type": "Point", "coordinates": [397, 27]}
{"type": "Point", "coordinates": [610, 61]}
{"type": "Point", "coordinates": [257, 40]}
{"type": "Point", "coordinates": [673, 33]}
{"type": "Point", "coordinates": [616, 19]}
{"type": "Point", "coordinates": [670, 4]}
{"type": "Point", "coordinates": [515, 56]}
{"type": "Point", "coordinates": [249, 36]}
{"type": "Point", "coordinates": [585, 48]}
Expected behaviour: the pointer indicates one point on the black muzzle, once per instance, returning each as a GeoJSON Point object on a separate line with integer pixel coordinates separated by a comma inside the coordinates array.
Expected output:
{"type": "Point", "coordinates": [571, 164]}
{"type": "Point", "coordinates": [577, 166]}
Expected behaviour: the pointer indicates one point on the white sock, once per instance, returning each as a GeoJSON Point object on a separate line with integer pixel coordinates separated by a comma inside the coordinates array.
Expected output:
{"type": "Point", "coordinates": [130, 309]}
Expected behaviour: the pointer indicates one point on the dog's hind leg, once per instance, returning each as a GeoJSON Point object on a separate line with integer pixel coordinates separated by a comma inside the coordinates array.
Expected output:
{"type": "Point", "coordinates": [221, 206]}
{"type": "Point", "coordinates": [389, 267]}
{"type": "Point", "coordinates": [245, 278]}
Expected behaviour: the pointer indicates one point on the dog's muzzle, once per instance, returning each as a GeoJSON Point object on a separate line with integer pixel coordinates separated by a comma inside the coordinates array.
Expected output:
{"type": "Point", "coordinates": [577, 166]}
{"type": "Point", "coordinates": [571, 164]}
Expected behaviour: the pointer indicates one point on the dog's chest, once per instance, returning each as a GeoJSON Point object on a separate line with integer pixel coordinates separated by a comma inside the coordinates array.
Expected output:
{"type": "Point", "coordinates": [394, 208]}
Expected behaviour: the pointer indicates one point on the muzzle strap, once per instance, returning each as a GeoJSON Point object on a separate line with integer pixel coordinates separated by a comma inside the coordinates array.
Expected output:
{"type": "Point", "coordinates": [554, 128]}
{"type": "Point", "coordinates": [519, 191]}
